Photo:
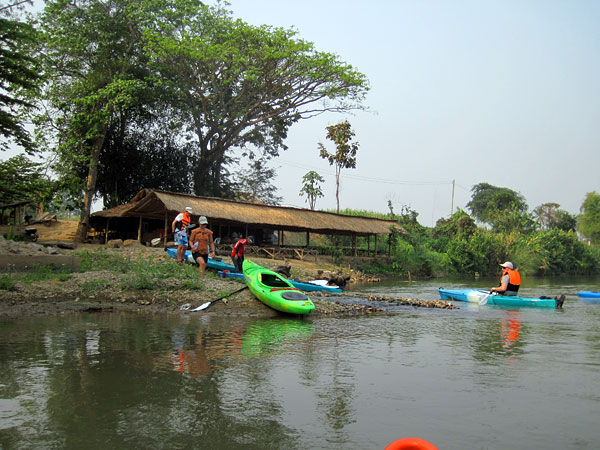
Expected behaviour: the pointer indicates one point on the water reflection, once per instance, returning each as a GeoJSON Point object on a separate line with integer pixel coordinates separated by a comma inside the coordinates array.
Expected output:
{"type": "Point", "coordinates": [510, 328]}
{"type": "Point", "coordinates": [262, 337]}
{"type": "Point", "coordinates": [200, 381]}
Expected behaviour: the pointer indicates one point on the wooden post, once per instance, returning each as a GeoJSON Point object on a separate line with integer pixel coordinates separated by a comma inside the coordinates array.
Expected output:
{"type": "Point", "coordinates": [307, 238]}
{"type": "Point", "coordinates": [165, 230]}
{"type": "Point", "coordinates": [354, 249]}
{"type": "Point", "coordinates": [106, 231]}
{"type": "Point", "coordinates": [375, 245]}
{"type": "Point", "coordinates": [369, 245]}
{"type": "Point", "coordinates": [140, 231]}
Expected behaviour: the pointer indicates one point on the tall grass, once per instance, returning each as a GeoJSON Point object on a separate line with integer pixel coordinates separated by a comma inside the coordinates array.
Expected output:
{"type": "Point", "coordinates": [33, 274]}
{"type": "Point", "coordinates": [139, 273]}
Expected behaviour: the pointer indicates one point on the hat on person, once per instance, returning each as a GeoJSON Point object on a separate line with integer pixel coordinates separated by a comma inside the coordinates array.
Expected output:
{"type": "Point", "coordinates": [202, 220]}
{"type": "Point", "coordinates": [188, 209]}
{"type": "Point", "coordinates": [251, 239]}
{"type": "Point", "coordinates": [508, 265]}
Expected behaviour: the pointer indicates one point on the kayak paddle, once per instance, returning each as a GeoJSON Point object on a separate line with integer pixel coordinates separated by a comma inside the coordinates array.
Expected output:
{"type": "Point", "coordinates": [483, 300]}
{"type": "Point", "coordinates": [207, 304]}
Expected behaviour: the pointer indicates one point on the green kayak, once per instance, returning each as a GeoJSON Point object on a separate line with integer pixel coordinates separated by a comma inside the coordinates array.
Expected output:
{"type": "Point", "coordinates": [275, 291]}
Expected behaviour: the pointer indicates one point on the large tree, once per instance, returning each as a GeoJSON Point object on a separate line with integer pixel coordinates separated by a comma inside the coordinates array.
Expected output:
{"type": "Point", "coordinates": [550, 216]}
{"type": "Point", "coordinates": [22, 179]}
{"type": "Point", "coordinates": [239, 86]}
{"type": "Point", "coordinates": [18, 76]}
{"type": "Point", "coordinates": [144, 155]}
{"type": "Point", "coordinates": [255, 182]}
{"type": "Point", "coordinates": [345, 152]}
{"type": "Point", "coordinates": [94, 65]}
{"type": "Point", "coordinates": [491, 204]}
{"type": "Point", "coordinates": [589, 220]}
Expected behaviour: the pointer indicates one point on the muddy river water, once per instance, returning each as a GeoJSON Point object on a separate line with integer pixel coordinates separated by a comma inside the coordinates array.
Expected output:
{"type": "Point", "coordinates": [478, 377]}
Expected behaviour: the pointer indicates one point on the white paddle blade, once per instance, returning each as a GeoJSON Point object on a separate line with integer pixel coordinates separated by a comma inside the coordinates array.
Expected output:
{"type": "Point", "coordinates": [483, 300]}
{"type": "Point", "coordinates": [202, 306]}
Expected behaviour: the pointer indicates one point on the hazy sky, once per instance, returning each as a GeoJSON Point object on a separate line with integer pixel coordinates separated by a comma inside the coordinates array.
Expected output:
{"type": "Point", "coordinates": [504, 92]}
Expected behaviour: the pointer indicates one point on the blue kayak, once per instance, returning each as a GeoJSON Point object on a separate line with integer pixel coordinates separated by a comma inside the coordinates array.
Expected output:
{"type": "Point", "coordinates": [306, 287]}
{"type": "Point", "coordinates": [211, 264]}
{"type": "Point", "coordinates": [229, 270]}
{"type": "Point", "coordinates": [589, 296]}
{"type": "Point", "coordinates": [483, 297]}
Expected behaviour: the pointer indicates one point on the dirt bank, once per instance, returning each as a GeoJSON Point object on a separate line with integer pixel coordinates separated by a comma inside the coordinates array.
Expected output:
{"type": "Point", "coordinates": [105, 290]}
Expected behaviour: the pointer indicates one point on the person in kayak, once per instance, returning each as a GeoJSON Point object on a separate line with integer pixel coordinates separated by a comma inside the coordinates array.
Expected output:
{"type": "Point", "coordinates": [237, 252]}
{"type": "Point", "coordinates": [179, 228]}
{"type": "Point", "coordinates": [200, 241]}
{"type": "Point", "coordinates": [510, 281]}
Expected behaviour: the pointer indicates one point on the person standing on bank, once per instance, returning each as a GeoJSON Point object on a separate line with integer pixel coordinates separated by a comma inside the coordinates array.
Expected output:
{"type": "Point", "coordinates": [510, 281]}
{"type": "Point", "coordinates": [179, 228]}
{"type": "Point", "coordinates": [200, 241]}
{"type": "Point", "coordinates": [237, 252]}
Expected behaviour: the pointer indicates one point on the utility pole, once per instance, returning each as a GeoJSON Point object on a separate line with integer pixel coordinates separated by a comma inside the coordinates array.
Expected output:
{"type": "Point", "coordinates": [452, 204]}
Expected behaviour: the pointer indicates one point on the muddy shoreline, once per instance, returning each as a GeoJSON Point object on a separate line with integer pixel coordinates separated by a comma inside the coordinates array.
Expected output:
{"type": "Point", "coordinates": [71, 296]}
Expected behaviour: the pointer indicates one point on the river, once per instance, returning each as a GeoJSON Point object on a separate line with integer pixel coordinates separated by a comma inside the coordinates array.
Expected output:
{"type": "Point", "coordinates": [478, 377]}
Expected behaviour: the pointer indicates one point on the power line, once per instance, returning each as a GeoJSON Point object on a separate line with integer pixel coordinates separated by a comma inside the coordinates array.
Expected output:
{"type": "Point", "coordinates": [369, 179]}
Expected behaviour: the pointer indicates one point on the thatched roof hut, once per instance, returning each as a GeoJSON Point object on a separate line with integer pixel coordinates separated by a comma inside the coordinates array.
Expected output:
{"type": "Point", "coordinates": [223, 215]}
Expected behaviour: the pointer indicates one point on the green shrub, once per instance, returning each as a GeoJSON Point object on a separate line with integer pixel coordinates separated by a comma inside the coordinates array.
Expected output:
{"type": "Point", "coordinates": [7, 283]}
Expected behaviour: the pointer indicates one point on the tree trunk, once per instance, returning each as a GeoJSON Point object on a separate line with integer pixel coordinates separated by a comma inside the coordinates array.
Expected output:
{"type": "Point", "coordinates": [90, 189]}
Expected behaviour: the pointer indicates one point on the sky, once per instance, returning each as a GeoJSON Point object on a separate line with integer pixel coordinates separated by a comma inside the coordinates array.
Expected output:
{"type": "Point", "coordinates": [503, 92]}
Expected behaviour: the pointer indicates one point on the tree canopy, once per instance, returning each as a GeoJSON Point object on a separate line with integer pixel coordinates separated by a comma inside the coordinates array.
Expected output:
{"type": "Point", "coordinates": [345, 153]}
{"type": "Point", "coordinates": [18, 73]}
{"type": "Point", "coordinates": [22, 179]}
{"type": "Point", "coordinates": [311, 187]}
{"type": "Point", "coordinates": [238, 86]}
{"type": "Point", "coordinates": [500, 207]}
{"type": "Point", "coordinates": [589, 220]}
{"type": "Point", "coordinates": [229, 89]}
{"type": "Point", "coordinates": [550, 216]}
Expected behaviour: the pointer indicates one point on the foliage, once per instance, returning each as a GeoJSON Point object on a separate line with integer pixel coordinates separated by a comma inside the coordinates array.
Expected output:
{"type": "Point", "coordinates": [589, 220]}
{"type": "Point", "coordinates": [7, 283]}
{"type": "Point", "coordinates": [256, 183]}
{"type": "Point", "coordinates": [18, 75]}
{"type": "Point", "coordinates": [456, 246]}
{"type": "Point", "coordinates": [143, 155]}
{"type": "Point", "coordinates": [38, 273]}
{"type": "Point", "coordinates": [22, 179]}
{"type": "Point", "coordinates": [549, 216]}
{"type": "Point", "coordinates": [512, 219]}
{"type": "Point", "coordinates": [92, 57]}
{"type": "Point", "coordinates": [558, 252]}
{"type": "Point", "coordinates": [311, 187]}
{"type": "Point", "coordinates": [238, 86]}
{"type": "Point", "coordinates": [345, 154]}
{"type": "Point", "coordinates": [496, 206]}
{"type": "Point", "coordinates": [140, 273]}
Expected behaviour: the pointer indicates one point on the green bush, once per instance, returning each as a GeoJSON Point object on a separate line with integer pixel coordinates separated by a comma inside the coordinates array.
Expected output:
{"type": "Point", "coordinates": [7, 283]}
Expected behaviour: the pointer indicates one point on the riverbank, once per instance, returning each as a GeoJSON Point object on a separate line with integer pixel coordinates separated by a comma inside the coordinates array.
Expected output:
{"type": "Point", "coordinates": [94, 278]}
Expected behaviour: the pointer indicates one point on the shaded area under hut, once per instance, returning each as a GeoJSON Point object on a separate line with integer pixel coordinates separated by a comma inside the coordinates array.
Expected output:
{"type": "Point", "coordinates": [150, 212]}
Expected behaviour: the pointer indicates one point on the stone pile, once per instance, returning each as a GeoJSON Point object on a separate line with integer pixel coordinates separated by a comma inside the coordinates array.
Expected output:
{"type": "Point", "coordinates": [8, 247]}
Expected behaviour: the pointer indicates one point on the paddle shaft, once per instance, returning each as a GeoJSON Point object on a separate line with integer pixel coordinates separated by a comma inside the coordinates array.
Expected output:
{"type": "Point", "coordinates": [222, 297]}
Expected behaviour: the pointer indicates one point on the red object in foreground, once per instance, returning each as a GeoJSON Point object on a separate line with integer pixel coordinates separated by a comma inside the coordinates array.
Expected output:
{"type": "Point", "coordinates": [411, 444]}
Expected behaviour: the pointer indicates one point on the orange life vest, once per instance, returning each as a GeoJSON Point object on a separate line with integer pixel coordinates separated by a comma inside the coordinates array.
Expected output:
{"type": "Point", "coordinates": [184, 222]}
{"type": "Point", "coordinates": [514, 280]}
{"type": "Point", "coordinates": [186, 219]}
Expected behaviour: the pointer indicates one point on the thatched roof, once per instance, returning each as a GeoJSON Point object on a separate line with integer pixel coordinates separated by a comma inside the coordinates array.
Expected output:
{"type": "Point", "coordinates": [153, 204]}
